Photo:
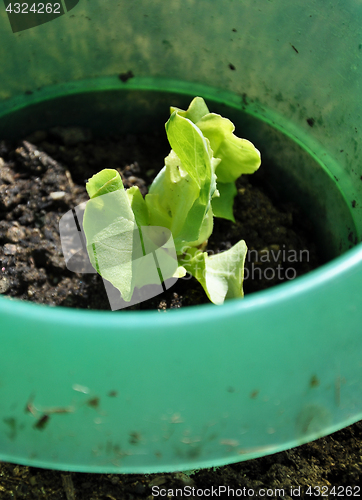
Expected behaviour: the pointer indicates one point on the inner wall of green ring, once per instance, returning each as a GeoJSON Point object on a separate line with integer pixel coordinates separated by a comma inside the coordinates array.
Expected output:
{"type": "Point", "coordinates": [297, 171]}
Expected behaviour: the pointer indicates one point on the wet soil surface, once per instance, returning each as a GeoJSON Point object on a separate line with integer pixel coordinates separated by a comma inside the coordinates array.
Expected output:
{"type": "Point", "coordinates": [43, 177]}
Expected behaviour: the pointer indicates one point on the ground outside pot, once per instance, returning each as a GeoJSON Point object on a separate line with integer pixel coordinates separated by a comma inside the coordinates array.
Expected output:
{"type": "Point", "coordinates": [203, 386]}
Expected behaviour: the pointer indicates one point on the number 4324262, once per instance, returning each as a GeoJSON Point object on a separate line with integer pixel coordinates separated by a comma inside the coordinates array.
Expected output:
{"type": "Point", "coordinates": [39, 8]}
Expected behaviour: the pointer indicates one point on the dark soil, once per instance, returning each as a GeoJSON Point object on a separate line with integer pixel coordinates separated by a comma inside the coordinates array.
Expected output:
{"type": "Point", "coordinates": [323, 468]}
{"type": "Point", "coordinates": [43, 177]}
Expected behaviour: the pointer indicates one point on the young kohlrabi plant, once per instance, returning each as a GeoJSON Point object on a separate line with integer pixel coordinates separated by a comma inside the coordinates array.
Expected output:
{"type": "Point", "coordinates": [196, 184]}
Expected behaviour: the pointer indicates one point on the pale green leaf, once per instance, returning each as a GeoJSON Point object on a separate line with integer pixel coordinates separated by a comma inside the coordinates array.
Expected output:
{"type": "Point", "coordinates": [128, 237]}
{"type": "Point", "coordinates": [204, 232]}
{"type": "Point", "coordinates": [105, 181]}
{"type": "Point", "coordinates": [173, 192]}
{"type": "Point", "coordinates": [121, 246]}
{"type": "Point", "coordinates": [138, 206]}
{"type": "Point", "coordinates": [180, 272]}
{"type": "Point", "coordinates": [194, 152]}
{"type": "Point", "coordinates": [179, 198]}
{"type": "Point", "coordinates": [222, 205]}
{"type": "Point", "coordinates": [109, 226]}
{"type": "Point", "coordinates": [238, 156]}
{"type": "Point", "coordinates": [195, 111]}
{"type": "Point", "coordinates": [221, 275]}
{"type": "Point", "coordinates": [159, 261]}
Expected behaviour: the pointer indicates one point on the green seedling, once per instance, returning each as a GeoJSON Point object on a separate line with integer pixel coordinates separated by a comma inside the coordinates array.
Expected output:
{"type": "Point", "coordinates": [196, 184]}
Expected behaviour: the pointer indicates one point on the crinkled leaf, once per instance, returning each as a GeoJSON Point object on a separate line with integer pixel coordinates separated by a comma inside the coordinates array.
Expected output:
{"type": "Point", "coordinates": [221, 275]}
{"type": "Point", "coordinates": [238, 156]}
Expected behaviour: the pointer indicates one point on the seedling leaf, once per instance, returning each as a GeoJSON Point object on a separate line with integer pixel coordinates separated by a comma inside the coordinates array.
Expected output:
{"type": "Point", "coordinates": [221, 275]}
{"type": "Point", "coordinates": [222, 205]}
{"type": "Point", "coordinates": [128, 234]}
{"type": "Point", "coordinates": [237, 156]}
